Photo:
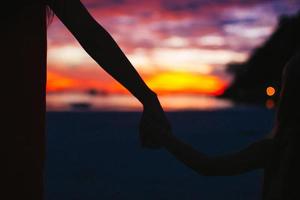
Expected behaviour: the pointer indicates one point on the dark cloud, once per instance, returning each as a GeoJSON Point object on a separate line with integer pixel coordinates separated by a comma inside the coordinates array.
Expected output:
{"type": "Point", "coordinates": [189, 6]}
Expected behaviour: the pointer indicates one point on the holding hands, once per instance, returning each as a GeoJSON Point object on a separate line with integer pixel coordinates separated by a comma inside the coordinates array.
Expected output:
{"type": "Point", "coordinates": [154, 126]}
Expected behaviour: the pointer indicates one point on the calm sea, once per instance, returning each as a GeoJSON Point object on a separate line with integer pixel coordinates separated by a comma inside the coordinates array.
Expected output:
{"type": "Point", "coordinates": [94, 102]}
{"type": "Point", "coordinates": [96, 155]}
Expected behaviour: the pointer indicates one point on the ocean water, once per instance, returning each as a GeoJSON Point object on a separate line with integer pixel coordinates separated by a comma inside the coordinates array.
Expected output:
{"type": "Point", "coordinates": [97, 155]}
{"type": "Point", "coordinates": [95, 102]}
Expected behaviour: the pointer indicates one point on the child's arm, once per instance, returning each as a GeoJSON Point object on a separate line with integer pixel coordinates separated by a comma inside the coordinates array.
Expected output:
{"type": "Point", "coordinates": [253, 157]}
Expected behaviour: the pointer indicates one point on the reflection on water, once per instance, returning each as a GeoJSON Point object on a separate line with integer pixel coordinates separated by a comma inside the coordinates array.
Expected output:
{"type": "Point", "coordinates": [82, 101]}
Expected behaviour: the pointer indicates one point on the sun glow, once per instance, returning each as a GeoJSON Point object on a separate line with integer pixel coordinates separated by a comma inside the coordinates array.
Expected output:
{"type": "Point", "coordinates": [177, 82]}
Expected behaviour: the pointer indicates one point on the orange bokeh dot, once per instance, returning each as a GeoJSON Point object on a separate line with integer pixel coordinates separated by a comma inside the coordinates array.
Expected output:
{"type": "Point", "coordinates": [270, 91]}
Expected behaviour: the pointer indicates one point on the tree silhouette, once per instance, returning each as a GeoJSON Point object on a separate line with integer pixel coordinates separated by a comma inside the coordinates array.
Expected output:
{"type": "Point", "coordinates": [264, 67]}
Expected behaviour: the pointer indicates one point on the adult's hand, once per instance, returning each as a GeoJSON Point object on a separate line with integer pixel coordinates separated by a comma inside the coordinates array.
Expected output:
{"type": "Point", "coordinates": [153, 125]}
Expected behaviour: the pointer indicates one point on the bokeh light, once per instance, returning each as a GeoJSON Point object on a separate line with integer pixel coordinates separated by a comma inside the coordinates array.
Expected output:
{"type": "Point", "coordinates": [270, 104]}
{"type": "Point", "coordinates": [270, 91]}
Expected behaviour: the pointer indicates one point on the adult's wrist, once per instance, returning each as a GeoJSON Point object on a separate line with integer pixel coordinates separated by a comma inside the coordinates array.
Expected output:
{"type": "Point", "coordinates": [149, 99]}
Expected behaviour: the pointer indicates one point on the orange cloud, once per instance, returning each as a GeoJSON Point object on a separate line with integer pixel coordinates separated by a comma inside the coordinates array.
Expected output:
{"type": "Point", "coordinates": [161, 83]}
{"type": "Point", "coordinates": [81, 80]}
{"type": "Point", "coordinates": [59, 82]}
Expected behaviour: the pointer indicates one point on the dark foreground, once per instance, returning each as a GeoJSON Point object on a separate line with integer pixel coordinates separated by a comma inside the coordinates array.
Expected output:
{"type": "Point", "coordinates": [96, 155]}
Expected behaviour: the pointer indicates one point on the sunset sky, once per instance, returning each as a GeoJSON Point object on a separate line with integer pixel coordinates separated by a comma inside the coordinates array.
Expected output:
{"type": "Point", "coordinates": [178, 46]}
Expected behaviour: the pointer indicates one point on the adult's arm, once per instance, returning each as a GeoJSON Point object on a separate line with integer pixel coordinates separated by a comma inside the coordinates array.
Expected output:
{"type": "Point", "coordinates": [253, 157]}
{"type": "Point", "coordinates": [99, 44]}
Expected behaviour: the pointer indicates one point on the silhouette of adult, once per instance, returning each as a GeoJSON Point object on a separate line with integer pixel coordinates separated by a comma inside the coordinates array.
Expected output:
{"type": "Point", "coordinates": [23, 60]}
{"type": "Point", "coordinates": [277, 154]}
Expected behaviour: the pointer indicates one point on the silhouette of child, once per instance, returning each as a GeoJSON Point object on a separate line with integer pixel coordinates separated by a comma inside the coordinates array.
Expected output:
{"type": "Point", "coordinates": [276, 155]}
